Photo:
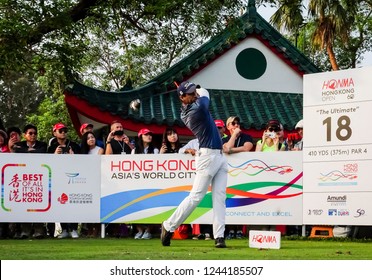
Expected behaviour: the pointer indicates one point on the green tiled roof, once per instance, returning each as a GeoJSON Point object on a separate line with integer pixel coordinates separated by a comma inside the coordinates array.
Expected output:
{"type": "Point", "coordinates": [254, 108]}
{"type": "Point", "coordinates": [160, 103]}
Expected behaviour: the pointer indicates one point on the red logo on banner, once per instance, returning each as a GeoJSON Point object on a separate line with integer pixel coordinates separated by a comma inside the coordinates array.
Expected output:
{"type": "Point", "coordinates": [63, 198]}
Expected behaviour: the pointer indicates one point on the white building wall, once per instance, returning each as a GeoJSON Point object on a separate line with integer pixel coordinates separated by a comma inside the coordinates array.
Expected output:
{"type": "Point", "coordinates": [222, 73]}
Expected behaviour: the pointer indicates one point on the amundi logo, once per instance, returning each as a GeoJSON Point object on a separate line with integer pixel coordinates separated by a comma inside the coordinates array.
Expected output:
{"type": "Point", "coordinates": [337, 199]}
{"type": "Point", "coordinates": [331, 198]}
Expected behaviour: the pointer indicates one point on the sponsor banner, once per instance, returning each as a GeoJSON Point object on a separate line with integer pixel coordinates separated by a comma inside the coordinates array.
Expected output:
{"type": "Point", "coordinates": [344, 86]}
{"type": "Point", "coordinates": [337, 151]}
{"type": "Point", "coordinates": [264, 239]}
{"type": "Point", "coordinates": [49, 188]}
{"type": "Point", "coordinates": [263, 188]}
{"type": "Point", "coordinates": [336, 208]}
{"type": "Point", "coordinates": [338, 176]}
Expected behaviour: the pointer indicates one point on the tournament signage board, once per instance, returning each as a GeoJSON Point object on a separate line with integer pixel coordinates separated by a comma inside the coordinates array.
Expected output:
{"type": "Point", "coordinates": [262, 188]}
{"type": "Point", "coordinates": [49, 188]}
{"type": "Point", "coordinates": [337, 151]}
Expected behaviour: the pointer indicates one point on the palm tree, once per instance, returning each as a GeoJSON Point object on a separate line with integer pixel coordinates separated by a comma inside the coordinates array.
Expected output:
{"type": "Point", "coordinates": [288, 16]}
{"type": "Point", "coordinates": [333, 19]}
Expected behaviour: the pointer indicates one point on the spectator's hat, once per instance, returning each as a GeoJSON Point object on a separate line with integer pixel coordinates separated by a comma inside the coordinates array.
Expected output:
{"type": "Point", "coordinates": [232, 119]}
{"type": "Point", "coordinates": [144, 131]}
{"type": "Point", "coordinates": [219, 123]}
{"type": "Point", "coordinates": [273, 123]}
{"type": "Point", "coordinates": [84, 126]}
{"type": "Point", "coordinates": [58, 126]}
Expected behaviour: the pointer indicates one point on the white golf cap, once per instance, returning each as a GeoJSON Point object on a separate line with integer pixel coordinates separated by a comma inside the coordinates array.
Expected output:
{"type": "Point", "coordinates": [300, 124]}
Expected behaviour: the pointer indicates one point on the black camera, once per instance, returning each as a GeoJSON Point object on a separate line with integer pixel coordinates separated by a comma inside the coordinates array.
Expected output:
{"type": "Point", "coordinates": [119, 133]}
{"type": "Point", "coordinates": [65, 149]}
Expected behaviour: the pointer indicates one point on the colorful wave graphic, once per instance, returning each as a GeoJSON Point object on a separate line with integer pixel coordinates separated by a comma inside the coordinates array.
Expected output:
{"type": "Point", "coordinates": [336, 175]}
{"type": "Point", "coordinates": [254, 167]}
{"type": "Point", "coordinates": [118, 205]}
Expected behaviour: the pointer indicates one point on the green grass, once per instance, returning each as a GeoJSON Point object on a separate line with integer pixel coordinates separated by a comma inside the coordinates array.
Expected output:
{"type": "Point", "coordinates": [130, 249]}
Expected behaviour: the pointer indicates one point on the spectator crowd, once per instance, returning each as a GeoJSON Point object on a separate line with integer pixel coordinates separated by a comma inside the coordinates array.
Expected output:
{"type": "Point", "coordinates": [234, 140]}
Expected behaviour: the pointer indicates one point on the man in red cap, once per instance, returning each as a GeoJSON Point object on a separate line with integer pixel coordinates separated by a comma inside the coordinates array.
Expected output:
{"type": "Point", "coordinates": [85, 127]}
{"type": "Point", "coordinates": [88, 127]}
{"type": "Point", "coordinates": [62, 145]}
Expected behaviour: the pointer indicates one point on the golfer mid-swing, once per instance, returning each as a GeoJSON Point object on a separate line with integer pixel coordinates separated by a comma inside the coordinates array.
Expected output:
{"type": "Point", "coordinates": [211, 164]}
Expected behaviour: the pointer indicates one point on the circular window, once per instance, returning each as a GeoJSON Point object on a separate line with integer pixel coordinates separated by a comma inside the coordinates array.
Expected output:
{"type": "Point", "coordinates": [251, 64]}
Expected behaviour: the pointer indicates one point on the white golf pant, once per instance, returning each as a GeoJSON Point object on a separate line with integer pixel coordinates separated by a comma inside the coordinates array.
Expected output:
{"type": "Point", "coordinates": [211, 169]}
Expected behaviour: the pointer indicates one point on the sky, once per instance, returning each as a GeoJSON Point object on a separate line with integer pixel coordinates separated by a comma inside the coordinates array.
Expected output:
{"type": "Point", "coordinates": [266, 13]}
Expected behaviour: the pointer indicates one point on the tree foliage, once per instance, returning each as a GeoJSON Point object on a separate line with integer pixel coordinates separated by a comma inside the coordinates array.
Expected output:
{"type": "Point", "coordinates": [109, 44]}
{"type": "Point", "coordinates": [339, 27]}
{"type": "Point", "coordinates": [116, 44]}
{"type": "Point", "coordinates": [70, 31]}
{"type": "Point", "coordinates": [19, 96]}
{"type": "Point", "coordinates": [51, 111]}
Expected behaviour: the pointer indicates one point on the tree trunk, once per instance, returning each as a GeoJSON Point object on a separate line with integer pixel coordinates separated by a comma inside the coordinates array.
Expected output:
{"type": "Point", "coordinates": [332, 57]}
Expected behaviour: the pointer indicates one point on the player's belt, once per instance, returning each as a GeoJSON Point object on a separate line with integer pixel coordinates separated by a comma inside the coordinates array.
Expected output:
{"type": "Point", "coordinates": [206, 151]}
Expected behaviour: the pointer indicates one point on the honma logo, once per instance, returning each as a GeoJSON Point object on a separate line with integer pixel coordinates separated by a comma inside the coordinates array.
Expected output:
{"type": "Point", "coordinates": [333, 88]}
{"type": "Point", "coordinates": [264, 239]}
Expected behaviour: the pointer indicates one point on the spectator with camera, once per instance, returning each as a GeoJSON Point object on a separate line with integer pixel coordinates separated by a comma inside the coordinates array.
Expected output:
{"type": "Point", "coordinates": [61, 145]}
{"type": "Point", "coordinates": [14, 134]}
{"type": "Point", "coordinates": [117, 142]}
{"type": "Point", "coordinates": [270, 138]}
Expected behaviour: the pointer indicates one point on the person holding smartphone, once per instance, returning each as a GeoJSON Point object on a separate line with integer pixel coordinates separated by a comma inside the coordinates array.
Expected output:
{"type": "Point", "coordinates": [171, 142]}
{"type": "Point", "coordinates": [117, 142]}
{"type": "Point", "coordinates": [14, 134]}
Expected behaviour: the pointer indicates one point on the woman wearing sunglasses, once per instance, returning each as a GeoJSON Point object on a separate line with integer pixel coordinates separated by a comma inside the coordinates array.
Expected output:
{"type": "Point", "coordinates": [270, 138]}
